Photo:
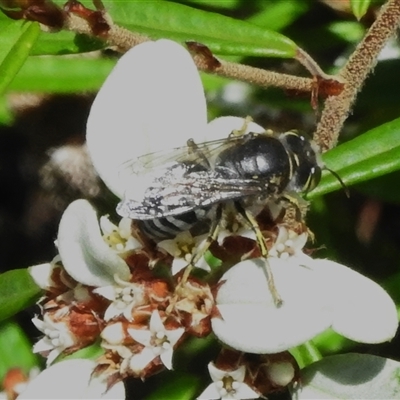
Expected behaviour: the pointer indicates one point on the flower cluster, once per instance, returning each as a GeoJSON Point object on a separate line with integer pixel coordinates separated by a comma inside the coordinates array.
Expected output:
{"type": "Point", "coordinates": [108, 284]}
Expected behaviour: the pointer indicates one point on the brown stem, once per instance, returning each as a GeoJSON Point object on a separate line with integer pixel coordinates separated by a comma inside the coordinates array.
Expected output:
{"type": "Point", "coordinates": [354, 73]}
{"type": "Point", "coordinates": [124, 39]}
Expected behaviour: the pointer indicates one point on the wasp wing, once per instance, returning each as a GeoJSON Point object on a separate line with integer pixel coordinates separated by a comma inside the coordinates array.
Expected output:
{"type": "Point", "coordinates": [199, 154]}
{"type": "Point", "coordinates": [182, 190]}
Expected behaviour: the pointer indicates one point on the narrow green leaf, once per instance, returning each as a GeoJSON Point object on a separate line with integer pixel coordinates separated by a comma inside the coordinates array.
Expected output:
{"type": "Point", "coordinates": [385, 188]}
{"type": "Point", "coordinates": [91, 352]}
{"type": "Point", "coordinates": [351, 376]}
{"type": "Point", "coordinates": [350, 31]}
{"type": "Point", "coordinates": [306, 354]}
{"type": "Point", "coordinates": [222, 34]}
{"type": "Point", "coordinates": [20, 36]}
{"type": "Point", "coordinates": [226, 4]}
{"type": "Point", "coordinates": [277, 15]}
{"type": "Point", "coordinates": [15, 349]}
{"type": "Point", "coordinates": [73, 74]}
{"type": "Point", "coordinates": [359, 7]}
{"type": "Point", "coordinates": [179, 386]}
{"type": "Point", "coordinates": [17, 291]}
{"type": "Point", "coordinates": [368, 156]}
{"type": "Point", "coordinates": [65, 42]}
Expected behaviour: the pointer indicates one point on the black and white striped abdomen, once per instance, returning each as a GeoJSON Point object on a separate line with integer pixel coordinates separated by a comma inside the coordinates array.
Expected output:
{"type": "Point", "coordinates": [168, 227]}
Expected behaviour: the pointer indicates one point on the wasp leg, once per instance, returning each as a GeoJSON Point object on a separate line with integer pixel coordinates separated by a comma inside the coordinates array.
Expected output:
{"type": "Point", "coordinates": [193, 148]}
{"type": "Point", "coordinates": [264, 252]}
{"type": "Point", "coordinates": [242, 131]}
{"type": "Point", "coordinates": [212, 236]}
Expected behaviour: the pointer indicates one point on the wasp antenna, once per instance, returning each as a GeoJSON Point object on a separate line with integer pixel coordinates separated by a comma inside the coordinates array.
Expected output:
{"type": "Point", "coordinates": [336, 175]}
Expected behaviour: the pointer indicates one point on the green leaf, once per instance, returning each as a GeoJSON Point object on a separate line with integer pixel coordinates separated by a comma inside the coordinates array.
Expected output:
{"type": "Point", "coordinates": [306, 354]}
{"type": "Point", "coordinates": [351, 376]}
{"type": "Point", "coordinates": [350, 31]}
{"type": "Point", "coordinates": [226, 4]}
{"type": "Point", "coordinates": [277, 15]}
{"type": "Point", "coordinates": [65, 42]}
{"type": "Point", "coordinates": [179, 386]}
{"type": "Point", "coordinates": [385, 188]}
{"type": "Point", "coordinates": [91, 352]}
{"type": "Point", "coordinates": [17, 291]}
{"type": "Point", "coordinates": [359, 7]}
{"type": "Point", "coordinates": [373, 154]}
{"type": "Point", "coordinates": [19, 37]}
{"type": "Point", "coordinates": [15, 349]}
{"type": "Point", "coordinates": [73, 74]}
{"type": "Point", "coordinates": [222, 34]}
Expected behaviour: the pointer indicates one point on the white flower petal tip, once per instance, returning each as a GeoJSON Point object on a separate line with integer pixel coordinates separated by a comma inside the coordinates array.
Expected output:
{"type": "Point", "coordinates": [251, 322]}
{"type": "Point", "coordinates": [41, 274]}
{"type": "Point", "coordinates": [158, 341]}
{"type": "Point", "coordinates": [149, 102]}
{"type": "Point", "coordinates": [227, 385]}
{"type": "Point", "coordinates": [350, 376]}
{"type": "Point", "coordinates": [363, 311]}
{"type": "Point", "coordinates": [71, 379]}
{"type": "Point", "coordinates": [222, 127]}
{"type": "Point", "coordinates": [84, 253]}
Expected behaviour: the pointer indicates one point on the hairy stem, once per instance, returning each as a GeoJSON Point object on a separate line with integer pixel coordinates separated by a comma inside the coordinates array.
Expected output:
{"type": "Point", "coordinates": [124, 39]}
{"type": "Point", "coordinates": [360, 64]}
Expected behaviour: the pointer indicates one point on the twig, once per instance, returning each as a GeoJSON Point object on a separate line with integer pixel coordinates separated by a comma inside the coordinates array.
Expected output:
{"type": "Point", "coordinates": [360, 64]}
{"type": "Point", "coordinates": [124, 39]}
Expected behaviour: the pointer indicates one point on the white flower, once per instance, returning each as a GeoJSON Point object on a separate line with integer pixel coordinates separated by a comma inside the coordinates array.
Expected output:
{"type": "Point", "coordinates": [119, 238]}
{"type": "Point", "coordinates": [288, 244]}
{"type": "Point", "coordinates": [152, 101]}
{"type": "Point", "coordinates": [124, 297]}
{"type": "Point", "coordinates": [316, 294]}
{"type": "Point", "coordinates": [183, 248]}
{"type": "Point", "coordinates": [228, 385]}
{"type": "Point", "coordinates": [84, 253]}
{"type": "Point", "coordinates": [71, 379]}
{"type": "Point", "coordinates": [57, 337]}
{"type": "Point", "coordinates": [157, 341]}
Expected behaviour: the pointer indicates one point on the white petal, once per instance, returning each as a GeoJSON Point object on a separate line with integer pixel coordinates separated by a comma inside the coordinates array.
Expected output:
{"type": "Point", "coordinates": [210, 393]}
{"type": "Point", "coordinates": [178, 264]}
{"type": "Point", "coordinates": [222, 127]}
{"type": "Point", "coordinates": [174, 335]}
{"type": "Point", "coordinates": [107, 292]}
{"type": "Point", "coordinates": [245, 392]}
{"type": "Point", "coordinates": [156, 324]}
{"type": "Point", "coordinates": [350, 376]}
{"type": "Point", "coordinates": [71, 379]}
{"type": "Point", "coordinates": [139, 361]}
{"type": "Point", "coordinates": [250, 320]}
{"type": "Point", "coordinates": [363, 311]}
{"type": "Point", "coordinates": [42, 345]}
{"type": "Point", "coordinates": [153, 100]}
{"type": "Point", "coordinates": [113, 334]}
{"type": "Point", "coordinates": [166, 358]}
{"type": "Point", "coordinates": [238, 374]}
{"type": "Point", "coordinates": [84, 254]}
{"type": "Point", "coordinates": [141, 336]}
{"type": "Point", "coordinates": [216, 374]}
{"type": "Point", "coordinates": [41, 274]}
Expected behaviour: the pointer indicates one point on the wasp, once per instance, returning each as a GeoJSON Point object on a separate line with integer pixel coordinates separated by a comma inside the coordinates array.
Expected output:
{"type": "Point", "coordinates": [191, 185]}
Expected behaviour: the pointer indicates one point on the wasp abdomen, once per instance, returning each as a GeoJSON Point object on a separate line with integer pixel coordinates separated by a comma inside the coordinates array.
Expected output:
{"type": "Point", "coordinates": [168, 227]}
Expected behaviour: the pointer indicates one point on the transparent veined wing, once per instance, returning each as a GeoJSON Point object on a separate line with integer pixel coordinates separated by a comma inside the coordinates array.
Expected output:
{"type": "Point", "coordinates": [183, 189]}
{"type": "Point", "coordinates": [201, 154]}
{"type": "Point", "coordinates": [152, 100]}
